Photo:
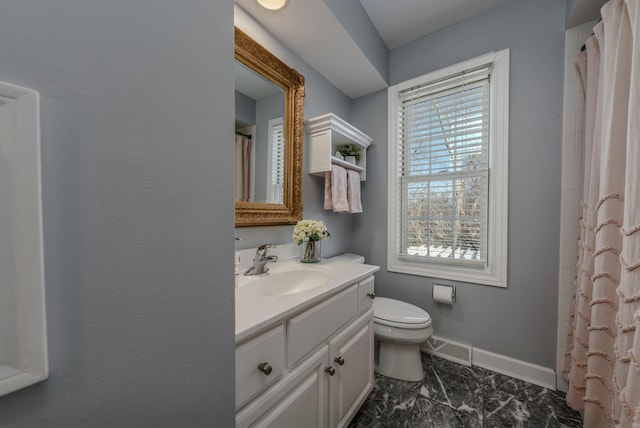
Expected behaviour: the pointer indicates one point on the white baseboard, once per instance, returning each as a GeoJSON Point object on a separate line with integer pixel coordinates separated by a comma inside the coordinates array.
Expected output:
{"type": "Point", "coordinates": [532, 373]}
{"type": "Point", "coordinates": [450, 350]}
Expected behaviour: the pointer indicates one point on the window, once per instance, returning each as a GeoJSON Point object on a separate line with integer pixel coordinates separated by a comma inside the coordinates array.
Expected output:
{"type": "Point", "coordinates": [448, 153]}
{"type": "Point", "coordinates": [275, 168]}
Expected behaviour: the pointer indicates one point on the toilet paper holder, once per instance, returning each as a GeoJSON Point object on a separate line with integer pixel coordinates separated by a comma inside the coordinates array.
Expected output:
{"type": "Point", "coordinates": [444, 294]}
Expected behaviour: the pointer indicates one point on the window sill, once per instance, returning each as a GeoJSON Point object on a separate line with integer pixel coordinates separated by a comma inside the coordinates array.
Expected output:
{"type": "Point", "coordinates": [484, 276]}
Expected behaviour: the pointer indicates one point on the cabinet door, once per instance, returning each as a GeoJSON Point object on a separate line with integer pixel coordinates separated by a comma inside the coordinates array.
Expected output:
{"type": "Point", "coordinates": [301, 400]}
{"type": "Point", "coordinates": [351, 354]}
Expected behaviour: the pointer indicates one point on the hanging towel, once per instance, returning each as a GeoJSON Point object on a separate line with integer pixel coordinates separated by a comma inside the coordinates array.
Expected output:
{"type": "Point", "coordinates": [339, 201]}
{"type": "Point", "coordinates": [353, 192]}
{"type": "Point", "coordinates": [327, 191]}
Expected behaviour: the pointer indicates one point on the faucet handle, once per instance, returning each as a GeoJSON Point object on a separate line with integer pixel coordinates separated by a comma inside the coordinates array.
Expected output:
{"type": "Point", "coordinates": [262, 249]}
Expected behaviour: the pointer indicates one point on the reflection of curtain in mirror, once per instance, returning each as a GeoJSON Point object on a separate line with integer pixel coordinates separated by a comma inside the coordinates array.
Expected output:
{"type": "Point", "coordinates": [243, 168]}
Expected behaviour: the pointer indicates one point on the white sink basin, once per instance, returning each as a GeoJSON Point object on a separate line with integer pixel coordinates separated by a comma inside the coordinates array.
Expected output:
{"type": "Point", "coordinates": [283, 282]}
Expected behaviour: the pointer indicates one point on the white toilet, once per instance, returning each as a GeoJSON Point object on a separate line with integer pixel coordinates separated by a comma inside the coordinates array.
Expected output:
{"type": "Point", "coordinates": [399, 328]}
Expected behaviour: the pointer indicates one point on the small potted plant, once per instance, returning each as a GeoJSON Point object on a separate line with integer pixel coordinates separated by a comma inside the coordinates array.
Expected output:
{"type": "Point", "coordinates": [351, 153]}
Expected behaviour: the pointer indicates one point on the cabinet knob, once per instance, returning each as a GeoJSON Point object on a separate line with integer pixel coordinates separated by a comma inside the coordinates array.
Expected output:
{"type": "Point", "coordinates": [339, 360]}
{"type": "Point", "coordinates": [330, 370]}
{"type": "Point", "coordinates": [372, 295]}
{"type": "Point", "coordinates": [265, 368]}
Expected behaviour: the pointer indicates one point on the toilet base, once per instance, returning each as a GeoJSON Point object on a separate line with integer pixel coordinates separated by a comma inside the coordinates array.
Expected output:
{"type": "Point", "coordinates": [400, 361]}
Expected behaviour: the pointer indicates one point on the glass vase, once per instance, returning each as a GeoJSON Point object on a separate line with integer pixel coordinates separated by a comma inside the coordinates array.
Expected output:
{"type": "Point", "coordinates": [310, 252]}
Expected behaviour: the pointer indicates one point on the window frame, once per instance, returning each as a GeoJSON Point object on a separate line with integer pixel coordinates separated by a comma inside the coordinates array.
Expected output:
{"type": "Point", "coordinates": [494, 273]}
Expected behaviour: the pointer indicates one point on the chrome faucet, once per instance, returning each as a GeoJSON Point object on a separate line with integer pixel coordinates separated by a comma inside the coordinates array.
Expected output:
{"type": "Point", "coordinates": [260, 260]}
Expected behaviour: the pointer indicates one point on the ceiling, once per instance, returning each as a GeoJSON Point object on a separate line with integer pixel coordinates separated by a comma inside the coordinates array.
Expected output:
{"type": "Point", "coordinates": [338, 46]}
{"type": "Point", "coordinates": [401, 22]}
{"type": "Point", "coordinates": [311, 30]}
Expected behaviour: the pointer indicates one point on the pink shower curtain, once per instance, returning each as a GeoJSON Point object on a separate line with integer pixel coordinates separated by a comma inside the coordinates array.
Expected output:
{"type": "Point", "coordinates": [243, 168]}
{"type": "Point", "coordinates": [604, 365]}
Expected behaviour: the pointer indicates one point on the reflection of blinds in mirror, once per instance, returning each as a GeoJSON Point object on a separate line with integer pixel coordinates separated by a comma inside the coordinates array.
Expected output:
{"type": "Point", "coordinates": [275, 186]}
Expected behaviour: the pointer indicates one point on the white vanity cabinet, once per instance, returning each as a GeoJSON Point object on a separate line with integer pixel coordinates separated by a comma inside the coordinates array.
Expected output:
{"type": "Point", "coordinates": [327, 349]}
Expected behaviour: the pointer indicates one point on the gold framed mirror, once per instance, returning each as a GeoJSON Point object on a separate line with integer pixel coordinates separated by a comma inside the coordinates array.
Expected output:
{"type": "Point", "coordinates": [268, 180]}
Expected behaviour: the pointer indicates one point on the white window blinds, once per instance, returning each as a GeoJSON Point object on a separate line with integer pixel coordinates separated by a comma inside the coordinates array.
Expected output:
{"type": "Point", "coordinates": [443, 168]}
{"type": "Point", "coordinates": [275, 190]}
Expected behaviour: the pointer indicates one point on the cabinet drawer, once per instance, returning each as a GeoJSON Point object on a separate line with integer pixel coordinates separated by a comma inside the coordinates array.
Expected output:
{"type": "Point", "coordinates": [309, 329]}
{"type": "Point", "coordinates": [299, 399]}
{"type": "Point", "coordinates": [268, 348]}
{"type": "Point", "coordinates": [365, 290]}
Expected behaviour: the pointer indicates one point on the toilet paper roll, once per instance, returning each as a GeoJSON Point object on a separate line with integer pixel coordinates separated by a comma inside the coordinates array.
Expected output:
{"type": "Point", "coordinates": [444, 294]}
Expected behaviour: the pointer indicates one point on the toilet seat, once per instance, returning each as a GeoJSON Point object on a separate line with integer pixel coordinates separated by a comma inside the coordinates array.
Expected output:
{"type": "Point", "coordinates": [395, 313]}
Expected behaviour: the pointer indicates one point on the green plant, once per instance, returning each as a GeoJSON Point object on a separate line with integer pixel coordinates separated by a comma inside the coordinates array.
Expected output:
{"type": "Point", "coordinates": [350, 150]}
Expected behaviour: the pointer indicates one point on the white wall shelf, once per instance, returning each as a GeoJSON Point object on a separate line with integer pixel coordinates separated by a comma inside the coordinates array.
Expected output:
{"type": "Point", "coordinates": [23, 342]}
{"type": "Point", "coordinates": [327, 133]}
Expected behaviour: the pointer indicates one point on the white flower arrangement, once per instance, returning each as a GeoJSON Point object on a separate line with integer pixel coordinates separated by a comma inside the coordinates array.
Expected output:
{"type": "Point", "coordinates": [309, 230]}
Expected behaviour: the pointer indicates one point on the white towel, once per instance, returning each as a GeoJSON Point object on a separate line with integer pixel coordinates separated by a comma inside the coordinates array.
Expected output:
{"type": "Point", "coordinates": [335, 190]}
{"type": "Point", "coordinates": [353, 192]}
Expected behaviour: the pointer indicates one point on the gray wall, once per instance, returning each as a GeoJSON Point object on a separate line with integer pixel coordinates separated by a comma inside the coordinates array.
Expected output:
{"type": "Point", "coordinates": [137, 117]}
{"type": "Point", "coordinates": [519, 321]}
{"type": "Point", "coordinates": [570, 8]}
{"type": "Point", "coordinates": [355, 20]}
{"type": "Point", "coordinates": [245, 108]}
{"type": "Point", "coordinates": [321, 97]}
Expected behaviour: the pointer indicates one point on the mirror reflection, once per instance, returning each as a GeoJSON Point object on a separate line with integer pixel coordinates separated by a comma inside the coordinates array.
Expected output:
{"type": "Point", "coordinates": [260, 138]}
{"type": "Point", "coordinates": [269, 126]}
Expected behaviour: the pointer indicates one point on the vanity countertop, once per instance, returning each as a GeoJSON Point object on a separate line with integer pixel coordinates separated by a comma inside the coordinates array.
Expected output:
{"type": "Point", "coordinates": [257, 307]}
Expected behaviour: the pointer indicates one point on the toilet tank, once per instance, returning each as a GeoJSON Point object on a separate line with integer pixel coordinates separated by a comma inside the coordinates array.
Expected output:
{"type": "Point", "coordinates": [349, 258]}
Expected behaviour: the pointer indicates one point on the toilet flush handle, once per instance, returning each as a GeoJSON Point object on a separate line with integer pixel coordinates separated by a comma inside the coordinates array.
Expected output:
{"type": "Point", "coordinates": [372, 295]}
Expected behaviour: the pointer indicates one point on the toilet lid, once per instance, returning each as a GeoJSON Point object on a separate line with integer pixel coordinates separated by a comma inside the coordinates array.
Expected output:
{"type": "Point", "coordinates": [396, 313]}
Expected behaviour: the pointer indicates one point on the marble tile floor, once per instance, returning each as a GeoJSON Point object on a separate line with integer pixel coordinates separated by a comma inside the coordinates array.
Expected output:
{"type": "Point", "coordinates": [453, 395]}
